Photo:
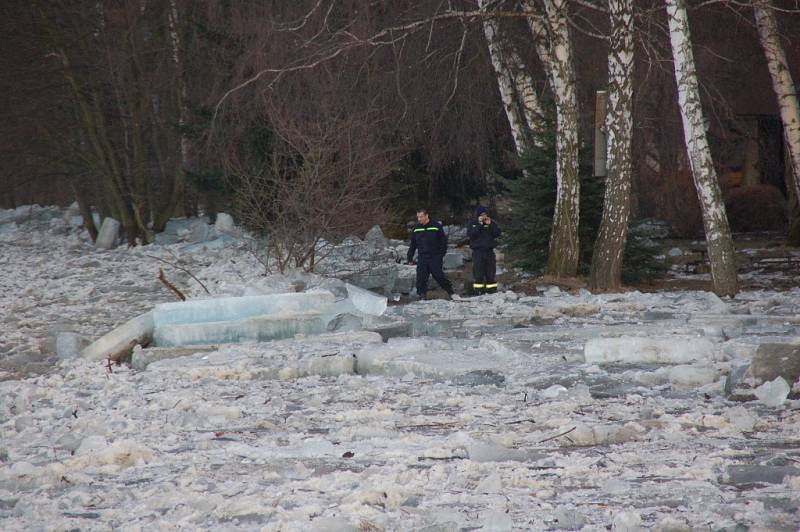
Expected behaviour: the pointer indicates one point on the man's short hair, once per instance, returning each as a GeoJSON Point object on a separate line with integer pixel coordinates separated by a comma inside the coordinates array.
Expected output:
{"type": "Point", "coordinates": [423, 210]}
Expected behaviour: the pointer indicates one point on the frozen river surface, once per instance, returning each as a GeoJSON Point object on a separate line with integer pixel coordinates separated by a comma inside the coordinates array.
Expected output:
{"type": "Point", "coordinates": [509, 412]}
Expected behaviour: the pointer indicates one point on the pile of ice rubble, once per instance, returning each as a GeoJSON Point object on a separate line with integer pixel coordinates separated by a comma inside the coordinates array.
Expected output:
{"type": "Point", "coordinates": [371, 263]}
{"type": "Point", "coordinates": [224, 320]}
{"type": "Point", "coordinates": [556, 411]}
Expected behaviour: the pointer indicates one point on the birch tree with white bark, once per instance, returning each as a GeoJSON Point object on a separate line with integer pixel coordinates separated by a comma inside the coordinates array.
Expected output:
{"type": "Point", "coordinates": [517, 90]}
{"type": "Point", "coordinates": [782, 83]}
{"type": "Point", "coordinates": [715, 222]}
{"type": "Point", "coordinates": [609, 247]}
{"type": "Point", "coordinates": [555, 53]}
{"type": "Point", "coordinates": [505, 80]}
{"type": "Point", "coordinates": [528, 97]}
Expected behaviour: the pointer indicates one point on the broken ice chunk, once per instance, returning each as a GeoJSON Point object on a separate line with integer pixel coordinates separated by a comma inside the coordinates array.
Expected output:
{"type": "Point", "coordinates": [552, 392]}
{"type": "Point", "coordinates": [69, 441]}
{"type": "Point", "coordinates": [480, 377]}
{"type": "Point", "coordinates": [777, 360]}
{"type": "Point", "coordinates": [459, 362]}
{"type": "Point", "coordinates": [740, 418]}
{"type": "Point", "coordinates": [224, 223]}
{"type": "Point", "coordinates": [121, 340]}
{"type": "Point", "coordinates": [141, 358]}
{"type": "Point", "coordinates": [107, 237]}
{"type": "Point", "coordinates": [9, 227]}
{"type": "Point", "coordinates": [320, 524]}
{"type": "Point", "coordinates": [208, 245]}
{"type": "Point", "coordinates": [629, 521]}
{"type": "Point", "coordinates": [238, 308]}
{"type": "Point", "coordinates": [345, 322]}
{"type": "Point", "coordinates": [375, 238]}
{"type": "Point", "coordinates": [692, 376]}
{"type": "Point", "coordinates": [568, 519]}
{"type": "Point", "coordinates": [584, 435]}
{"type": "Point", "coordinates": [391, 328]}
{"type": "Point", "coordinates": [614, 486]}
{"type": "Point", "coordinates": [453, 260]}
{"type": "Point", "coordinates": [257, 329]}
{"type": "Point", "coordinates": [328, 366]}
{"type": "Point", "coordinates": [68, 345]}
{"type": "Point", "coordinates": [479, 451]}
{"type": "Point", "coordinates": [670, 524]}
{"type": "Point", "coordinates": [324, 355]}
{"type": "Point", "coordinates": [406, 279]}
{"type": "Point", "coordinates": [182, 227]}
{"type": "Point", "coordinates": [199, 233]}
{"type": "Point", "coordinates": [366, 301]}
{"type": "Point", "coordinates": [165, 239]}
{"type": "Point", "coordinates": [754, 473]}
{"type": "Point", "coordinates": [773, 393]}
{"type": "Point", "coordinates": [491, 484]}
{"type": "Point", "coordinates": [635, 349]}
{"type": "Point", "coordinates": [716, 304]}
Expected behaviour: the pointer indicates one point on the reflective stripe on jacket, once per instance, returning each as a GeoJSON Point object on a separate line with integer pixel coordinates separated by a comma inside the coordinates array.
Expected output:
{"type": "Point", "coordinates": [429, 240]}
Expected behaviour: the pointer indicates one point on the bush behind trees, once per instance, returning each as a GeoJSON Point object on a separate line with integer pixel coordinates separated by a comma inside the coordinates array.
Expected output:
{"type": "Point", "coordinates": [309, 186]}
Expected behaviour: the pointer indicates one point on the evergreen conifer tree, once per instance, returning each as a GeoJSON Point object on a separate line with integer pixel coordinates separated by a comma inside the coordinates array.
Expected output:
{"type": "Point", "coordinates": [532, 198]}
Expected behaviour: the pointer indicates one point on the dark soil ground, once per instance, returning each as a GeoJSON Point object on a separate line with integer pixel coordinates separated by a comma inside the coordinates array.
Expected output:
{"type": "Point", "coordinates": [764, 261]}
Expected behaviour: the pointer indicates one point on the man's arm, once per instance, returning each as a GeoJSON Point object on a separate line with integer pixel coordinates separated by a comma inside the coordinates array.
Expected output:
{"type": "Point", "coordinates": [495, 229]}
{"type": "Point", "coordinates": [412, 248]}
{"type": "Point", "coordinates": [442, 240]}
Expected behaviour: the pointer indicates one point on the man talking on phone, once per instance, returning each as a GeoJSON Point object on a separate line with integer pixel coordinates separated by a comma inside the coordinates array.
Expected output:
{"type": "Point", "coordinates": [482, 231]}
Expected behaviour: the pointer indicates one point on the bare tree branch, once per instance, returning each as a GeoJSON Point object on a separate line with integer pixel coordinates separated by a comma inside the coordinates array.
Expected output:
{"type": "Point", "coordinates": [181, 268]}
{"type": "Point", "coordinates": [302, 22]}
{"type": "Point", "coordinates": [169, 285]}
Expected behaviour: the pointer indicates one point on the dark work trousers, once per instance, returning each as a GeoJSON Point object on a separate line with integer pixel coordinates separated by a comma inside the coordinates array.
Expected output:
{"type": "Point", "coordinates": [484, 268]}
{"type": "Point", "coordinates": [431, 265]}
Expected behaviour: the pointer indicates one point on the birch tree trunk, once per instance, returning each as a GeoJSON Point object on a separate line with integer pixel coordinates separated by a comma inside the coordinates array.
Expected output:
{"type": "Point", "coordinates": [715, 221]}
{"type": "Point", "coordinates": [528, 98]}
{"type": "Point", "coordinates": [609, 247]}
{"type": "Point", "coordinates": [520, 100]}
{"type": "Point", "coordinates": [782, 83]}
{"type": "Point", "coordinates": [562, 260]}
{"type": "Point", "coordinates": [538, 26]}
{"type": "Point", "coordinates": [505, 81]}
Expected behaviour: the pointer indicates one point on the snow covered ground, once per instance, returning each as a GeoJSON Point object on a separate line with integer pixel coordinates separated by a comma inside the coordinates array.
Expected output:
{"type": "Point", "coordinates": [480, 414]}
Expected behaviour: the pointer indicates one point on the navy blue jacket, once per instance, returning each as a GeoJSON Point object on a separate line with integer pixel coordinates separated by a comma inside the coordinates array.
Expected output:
{"type": "Point", "coordinates": [482, 236]}
{"type": "Point", "coordinates": [428, 239]}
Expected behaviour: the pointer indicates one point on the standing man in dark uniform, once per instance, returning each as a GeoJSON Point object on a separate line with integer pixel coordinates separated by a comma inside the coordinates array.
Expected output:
{"type": "Point", "coordinates": [429, 240]}
{"type": "Point", "coordinates": [482, 231]}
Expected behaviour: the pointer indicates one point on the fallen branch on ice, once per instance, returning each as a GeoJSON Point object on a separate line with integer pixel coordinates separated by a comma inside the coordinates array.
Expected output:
{"type": "Point", "coordinates": [557, 435]}
{"type": "Point", "coordinates": [181, 268]}
{"type": "Point", "coordinates": [169, 285]}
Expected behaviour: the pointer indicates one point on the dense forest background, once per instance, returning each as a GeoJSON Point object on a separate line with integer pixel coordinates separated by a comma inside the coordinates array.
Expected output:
{"type": "Point", "coordinates": [149, 109]}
